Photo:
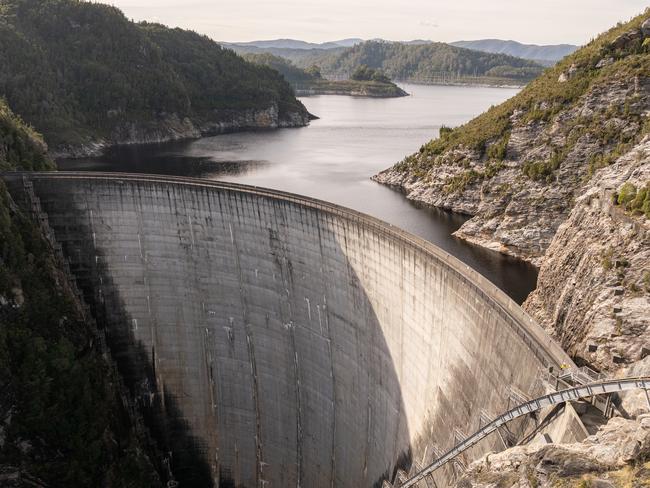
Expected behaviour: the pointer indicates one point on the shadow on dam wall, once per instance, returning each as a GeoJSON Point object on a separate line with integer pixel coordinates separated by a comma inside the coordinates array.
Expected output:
{"type": "Point", "coordinates": [274, 340]}
{"type": "Point", "coordinates": [180, 453]}
{"type": "Point", "coordinates": [188, 454]}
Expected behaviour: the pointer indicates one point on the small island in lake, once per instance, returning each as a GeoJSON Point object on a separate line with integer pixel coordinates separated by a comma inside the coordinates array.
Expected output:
{"type": "Point", "coordinates": [364, 81]}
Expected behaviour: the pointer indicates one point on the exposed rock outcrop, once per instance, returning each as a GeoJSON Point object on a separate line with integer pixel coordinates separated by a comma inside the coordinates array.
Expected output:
{"type": "Point", "coordinates": [512, 212]}
{"type": "Point", "coordinates": [171, 127]}
{"type": "Point", "coordinates": [560, 176]}
{"type": "Point", "coordinates": [612, 457]}
{"type": "Point", "coordinates": [593, 291]}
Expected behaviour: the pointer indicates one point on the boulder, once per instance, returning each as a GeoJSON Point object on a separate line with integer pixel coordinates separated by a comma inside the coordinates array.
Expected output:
{"type": "Point", "coordinates": [618, 444]}
{"type": "Point", "coordinates": [626, 40]}
{"type": "Point", "coordinates": [568, 74]}
{"type": "Point", "coordinates": [604, 62]}
{"type": "Point", "coordinates": [645, 28]}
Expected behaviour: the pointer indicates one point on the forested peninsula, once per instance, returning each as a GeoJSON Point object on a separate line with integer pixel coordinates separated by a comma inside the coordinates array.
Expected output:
{"type": "Point", "coordinates": [86, 77]}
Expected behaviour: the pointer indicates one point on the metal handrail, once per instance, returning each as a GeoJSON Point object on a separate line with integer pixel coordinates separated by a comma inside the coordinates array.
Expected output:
{"type": "Point", "coordinates": [562, 396]}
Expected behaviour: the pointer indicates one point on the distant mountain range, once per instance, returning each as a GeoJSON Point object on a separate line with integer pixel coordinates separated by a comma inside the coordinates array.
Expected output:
{"type": "Point", "coordinates": [295, 44]}
{"type": "Point", "coordinates": [546, 55]}
{"type": "Point", "coordinates": [297, 50]}
{"type": "Point", "coordinates": [415, 61]}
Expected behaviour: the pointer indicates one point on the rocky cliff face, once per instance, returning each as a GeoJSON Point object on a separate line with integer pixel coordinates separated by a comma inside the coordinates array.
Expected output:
{"type": "Point", "coordinates": [171, 127]}
{"type": "Point", "coordinates": [593, 295]}
{"type": "Point", "coordinates": [518, 168]}
{"type": "Point", "coordinates": [593, 291]}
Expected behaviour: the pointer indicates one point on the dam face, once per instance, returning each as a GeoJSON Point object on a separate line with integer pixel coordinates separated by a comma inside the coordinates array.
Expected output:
{"type": "Point", "coordinates": [273, 340]}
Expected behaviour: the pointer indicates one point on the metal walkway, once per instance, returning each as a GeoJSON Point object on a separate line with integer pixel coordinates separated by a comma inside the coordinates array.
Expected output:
{"type": "Point", "coordinates": [562, 396]}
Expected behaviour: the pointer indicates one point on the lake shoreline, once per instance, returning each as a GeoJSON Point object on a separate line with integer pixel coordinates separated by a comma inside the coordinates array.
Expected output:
{"type": "Point", "coordinates": [172, 128]}
{"type": "Point", "coordinates": [334, 158]}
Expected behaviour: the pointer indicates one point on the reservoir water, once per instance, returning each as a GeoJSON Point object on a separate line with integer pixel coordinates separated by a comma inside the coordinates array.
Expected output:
{"type": "Point", "coordinates": [334, 158]}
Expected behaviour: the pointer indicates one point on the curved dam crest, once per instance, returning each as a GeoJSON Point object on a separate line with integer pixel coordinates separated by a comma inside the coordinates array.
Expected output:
{"type": "Point", "coordinates": [275, 340]}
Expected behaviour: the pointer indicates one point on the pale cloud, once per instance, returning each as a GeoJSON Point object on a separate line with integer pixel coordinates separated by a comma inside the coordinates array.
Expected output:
{"type": "Point", "coordinates": [541, 21]}
{"type": "Point", "coordinates": [429, 23]}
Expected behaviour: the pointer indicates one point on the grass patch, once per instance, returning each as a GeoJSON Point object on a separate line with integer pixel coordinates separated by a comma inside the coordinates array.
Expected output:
{"type": "Point", "coordinates": [606, 259]}
{"type": "Point", "coordinates": [543, 170]}
{"type": "Point", "coordinates": [633, 200]}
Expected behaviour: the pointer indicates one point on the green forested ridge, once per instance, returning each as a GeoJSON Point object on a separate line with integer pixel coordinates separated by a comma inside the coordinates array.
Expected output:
{"type": "Point", "coordinates": [423, 63]}
{"type": "Point", "coordinates": [556, 90]}
{"type": "Point", "coordinates": [77, 70]}
{"type": "Point", "coordinates": [365, 73]}
{"type": "Point", "coordinates": [20, 146]}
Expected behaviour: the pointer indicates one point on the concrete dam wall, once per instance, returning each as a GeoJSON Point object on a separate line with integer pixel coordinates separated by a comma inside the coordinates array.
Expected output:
{"type": "Point", "coordinates": [275, 340]}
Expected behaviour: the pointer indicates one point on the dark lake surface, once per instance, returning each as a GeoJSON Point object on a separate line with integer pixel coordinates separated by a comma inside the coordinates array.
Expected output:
{"type": "Point", "coordinates": [334, 158]}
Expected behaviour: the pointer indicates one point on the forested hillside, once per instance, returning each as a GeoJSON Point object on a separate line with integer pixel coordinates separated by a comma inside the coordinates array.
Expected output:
{"type": "Point", "coordinates": [81, 72]}
{"type": "Point", "coordinates": [302, 58]}
{"type": "Point", "coordinates": [292, 73]}
{"type": "Point", "coordinates": [63, 422]}
{"type": "Point", "coordinates": [547, 55]}
{"type": "Point", "coordinates": [20, 146]}
{"type": "Point", "coordinates": [419, 62]}
{"type": "Point", "coordinates": [429, 62]}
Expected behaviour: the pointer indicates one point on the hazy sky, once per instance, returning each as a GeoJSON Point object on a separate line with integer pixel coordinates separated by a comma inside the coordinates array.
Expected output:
{"type": "Point", "coordinates": [531, 21]}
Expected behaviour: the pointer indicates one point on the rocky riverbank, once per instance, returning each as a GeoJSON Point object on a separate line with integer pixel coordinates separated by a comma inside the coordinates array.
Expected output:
{"type": "Point", "coordinates": [171, 127]}
{"type": "Point", "coordinates": [544, 187]}
{"type": "Point", "coordinates": [518, 202]}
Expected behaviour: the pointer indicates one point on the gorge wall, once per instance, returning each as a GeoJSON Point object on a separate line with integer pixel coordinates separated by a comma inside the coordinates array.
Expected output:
{"type": "Point", "coordinates": [273, 338]}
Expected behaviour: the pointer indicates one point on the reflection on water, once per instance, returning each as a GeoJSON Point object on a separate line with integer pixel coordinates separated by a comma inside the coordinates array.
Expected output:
{"type": "Point", "coordinates": [334, 158]}
{"type": "Point", "coordinates": [164, 159]}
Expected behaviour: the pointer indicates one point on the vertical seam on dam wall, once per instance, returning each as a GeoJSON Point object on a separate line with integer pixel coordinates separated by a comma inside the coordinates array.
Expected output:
{"type": "Point", "coordinates": [251, 351]}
